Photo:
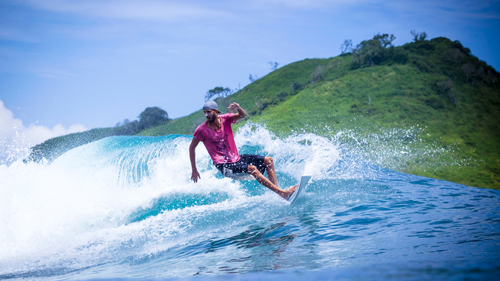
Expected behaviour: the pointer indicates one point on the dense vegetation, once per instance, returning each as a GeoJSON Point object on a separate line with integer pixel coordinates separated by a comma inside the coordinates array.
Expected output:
{"type": "Point", "coordinates": [428, 107]}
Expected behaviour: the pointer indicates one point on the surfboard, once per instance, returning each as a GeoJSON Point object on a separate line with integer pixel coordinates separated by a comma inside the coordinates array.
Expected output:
{"type": "Point", "coordinates": [303, 182]}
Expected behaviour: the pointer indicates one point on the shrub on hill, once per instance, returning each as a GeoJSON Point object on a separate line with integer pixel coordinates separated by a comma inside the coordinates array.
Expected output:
{"type": "Point", "coordinates": [378, 50]}
{"type": "Point", "coordinates": [151, 117]}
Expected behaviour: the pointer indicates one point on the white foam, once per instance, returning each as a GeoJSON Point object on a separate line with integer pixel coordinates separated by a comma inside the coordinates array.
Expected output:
{"type": "Point", "coordinates": [76, 211]}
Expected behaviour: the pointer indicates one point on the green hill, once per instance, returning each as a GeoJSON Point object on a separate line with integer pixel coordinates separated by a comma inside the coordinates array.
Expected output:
{"type": "Point", "coordinates": [428, 108]}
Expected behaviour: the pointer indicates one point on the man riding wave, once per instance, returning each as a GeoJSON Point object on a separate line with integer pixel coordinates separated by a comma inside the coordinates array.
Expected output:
{"type": "Point", "coordinates": [217, 136]}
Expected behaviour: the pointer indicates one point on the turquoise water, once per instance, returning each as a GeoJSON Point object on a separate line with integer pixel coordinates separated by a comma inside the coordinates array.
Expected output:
{"type": "Point", "coordinates": [124, 207]}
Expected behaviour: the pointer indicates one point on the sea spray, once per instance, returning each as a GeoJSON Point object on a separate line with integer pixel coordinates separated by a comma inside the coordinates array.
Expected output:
{"type": "Point", "coordinates": [109, 185]}
{"type": "Point", "coordinates": [399, 148]}
{"type": "Point", "coordinates": [125, 206]}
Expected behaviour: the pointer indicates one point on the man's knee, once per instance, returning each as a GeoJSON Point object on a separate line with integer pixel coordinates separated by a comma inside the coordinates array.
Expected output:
{"type": "Point", "coordinates": [268, 160]}
{"type": "Point", "coordinates": [252, 169]}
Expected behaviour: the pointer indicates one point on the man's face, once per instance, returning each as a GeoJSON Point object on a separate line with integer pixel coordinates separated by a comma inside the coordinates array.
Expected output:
{"type": "Point", "coordinates": [210, 114]}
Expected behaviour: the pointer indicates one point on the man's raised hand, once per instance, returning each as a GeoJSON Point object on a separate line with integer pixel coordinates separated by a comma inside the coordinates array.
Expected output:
{"type": "Point", "coordinates": [234, 106]}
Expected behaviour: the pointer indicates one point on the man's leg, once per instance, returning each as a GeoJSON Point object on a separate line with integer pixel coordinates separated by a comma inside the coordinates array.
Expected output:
{"type": "Point", "coordinates": [271, 173]}
{"type": "Point", "coordinates": [252, 170]}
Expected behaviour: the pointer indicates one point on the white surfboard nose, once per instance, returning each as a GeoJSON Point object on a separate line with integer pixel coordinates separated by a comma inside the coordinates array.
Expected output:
{"type": "Point", "coordinates": [303, 182]}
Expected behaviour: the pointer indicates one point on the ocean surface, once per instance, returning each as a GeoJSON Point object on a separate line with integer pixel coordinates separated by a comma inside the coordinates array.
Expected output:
{"type": "Point", "coordinates": [125, 207]}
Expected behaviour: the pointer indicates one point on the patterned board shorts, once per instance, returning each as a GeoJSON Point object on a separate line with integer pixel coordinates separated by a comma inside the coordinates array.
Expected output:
{"type": "Point", "coordinates": [241, 166]}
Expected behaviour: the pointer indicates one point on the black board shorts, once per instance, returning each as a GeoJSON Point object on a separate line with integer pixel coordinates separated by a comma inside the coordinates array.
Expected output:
{"type": "Point", "coordinates": [241, 166]}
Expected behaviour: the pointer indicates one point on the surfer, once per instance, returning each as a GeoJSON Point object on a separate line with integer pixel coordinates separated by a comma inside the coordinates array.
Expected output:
{"type": "Point", "coordinates": [217, 136]}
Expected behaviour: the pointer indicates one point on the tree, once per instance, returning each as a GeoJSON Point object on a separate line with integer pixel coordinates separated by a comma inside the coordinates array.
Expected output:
{"type": "Point", "coordinates": [296, 87]}
{"type": "Point", "coordinates": [131, 128]}
{"type": "Point", "coordinates": [468, 70]}
{"type": "Point", "coordinates": [152, 116]}
{"type": "Point", "coordinates": [453, 55]}
{"type": "Point", "coordinates": [346, 47]}
{"type": "Point", "coordinates": [253, 78]}
{"type": "Point", "coordinates": [125, 121]}
{"type": "Point", "coordinates": [318, 73]}
{"type": "Point", "coordinates": [218, 92]}
{"type": "Point", "coordinates": [458, 45]}
{"type": "Point", "coordinates": [384, 39]}
{"type": "Point", "coordinates": [274, 65]}
{"type": "Point", "coordinates": [418, 36]}
{"type": "Point", "coordinates": [445, 84]}
{"type": "Point", "coordinates": [447, 87]}
{"type": "Point", "coordinates": [374, 51]}
{"type": "Point", "coordinates": [493, 75]}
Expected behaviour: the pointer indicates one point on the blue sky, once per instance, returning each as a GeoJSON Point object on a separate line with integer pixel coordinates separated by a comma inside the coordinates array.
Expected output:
{"type": "Point", "coordinates": [93, 63]}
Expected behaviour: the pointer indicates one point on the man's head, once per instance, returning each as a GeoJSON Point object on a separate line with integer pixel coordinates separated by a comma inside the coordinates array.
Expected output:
{"type": "Point", "coordinates": [210, 109]}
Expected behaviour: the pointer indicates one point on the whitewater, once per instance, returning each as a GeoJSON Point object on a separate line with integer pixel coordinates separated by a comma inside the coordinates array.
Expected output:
{"type": "Point", "coordinates": [125, 207]}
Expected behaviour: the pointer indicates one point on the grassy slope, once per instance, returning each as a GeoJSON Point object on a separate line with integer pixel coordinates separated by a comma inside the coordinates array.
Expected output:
{"type": "Point", "coordinates": [458, 134]}
{"type": "Point", "coordinates": [343, 105]}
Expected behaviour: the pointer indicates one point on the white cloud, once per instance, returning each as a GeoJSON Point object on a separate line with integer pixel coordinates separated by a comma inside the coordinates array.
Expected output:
{"type": "Point", "coordinates": [16, 140]}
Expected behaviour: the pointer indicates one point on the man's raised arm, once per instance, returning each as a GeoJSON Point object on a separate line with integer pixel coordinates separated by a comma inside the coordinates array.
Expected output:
{"type": "Point", "coordinates": [192, 156]}
{"type": "Point", "coordinates": [241, 112]}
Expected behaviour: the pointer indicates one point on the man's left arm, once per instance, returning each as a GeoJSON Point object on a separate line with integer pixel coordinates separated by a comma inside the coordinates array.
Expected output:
{"type": "Point", "coordinates": [240, 111]}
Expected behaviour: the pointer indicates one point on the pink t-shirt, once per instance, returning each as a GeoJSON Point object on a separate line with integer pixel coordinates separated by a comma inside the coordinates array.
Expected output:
{"type": "Point", "coordinates": [220, 144]}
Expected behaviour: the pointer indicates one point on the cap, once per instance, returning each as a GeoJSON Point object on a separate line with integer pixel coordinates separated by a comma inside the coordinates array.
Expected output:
{"type": "Point", "coordinates": [212, 105]}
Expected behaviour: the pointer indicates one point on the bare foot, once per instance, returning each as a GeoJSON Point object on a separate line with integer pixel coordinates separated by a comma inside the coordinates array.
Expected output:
{"type": "Point", "coordinates": [287, 193]}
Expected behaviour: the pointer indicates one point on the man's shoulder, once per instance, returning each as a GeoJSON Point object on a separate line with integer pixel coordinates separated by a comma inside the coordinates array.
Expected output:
{"type": "Point", "coordinates": [227, 116]}
{"type": "Point", "coordinates": [200, 127]}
